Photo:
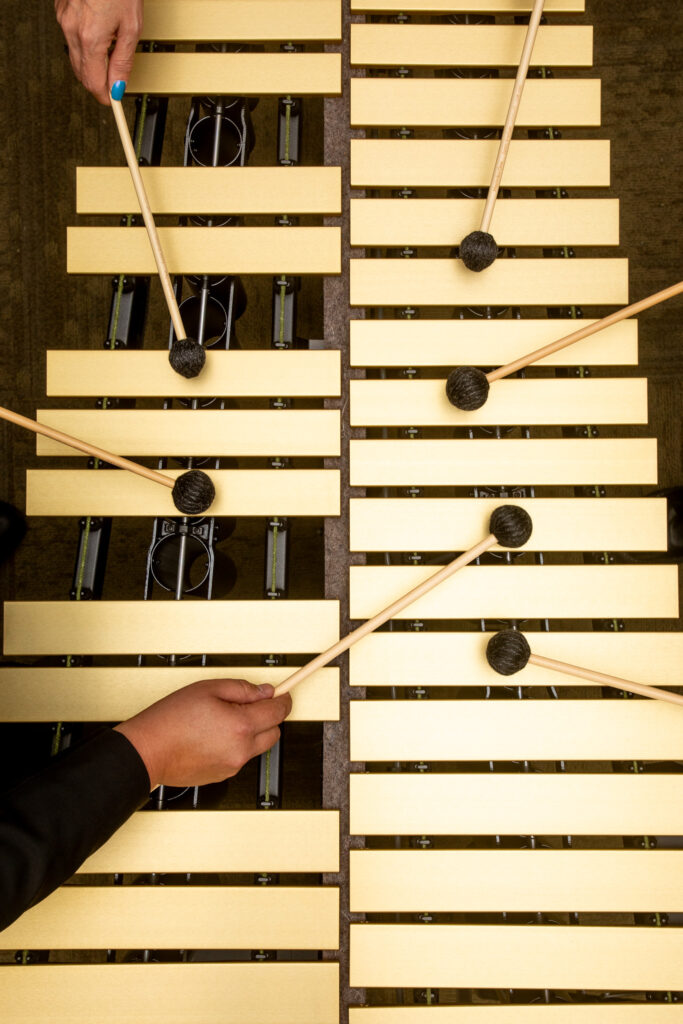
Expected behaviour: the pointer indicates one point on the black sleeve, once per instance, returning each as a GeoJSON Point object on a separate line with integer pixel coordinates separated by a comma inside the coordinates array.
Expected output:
{"type": "Point", "coordinates": [51, 821]}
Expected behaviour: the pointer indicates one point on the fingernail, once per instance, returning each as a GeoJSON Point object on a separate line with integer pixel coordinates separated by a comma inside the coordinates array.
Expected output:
{"type": "Point", "coordinates": [118, 89]}
{"type": "Point", "coordinates": [265, 689]}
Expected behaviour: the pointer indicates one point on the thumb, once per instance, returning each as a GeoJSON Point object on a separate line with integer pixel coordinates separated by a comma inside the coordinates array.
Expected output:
{"type": "Point", "coordinates": [239, 691]}
{"type": "Point", "coordinates": [121, 58]}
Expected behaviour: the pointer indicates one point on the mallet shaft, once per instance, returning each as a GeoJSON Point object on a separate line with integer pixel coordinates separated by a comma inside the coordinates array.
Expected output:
{"type": "Point", "coordinates": [606, 680]}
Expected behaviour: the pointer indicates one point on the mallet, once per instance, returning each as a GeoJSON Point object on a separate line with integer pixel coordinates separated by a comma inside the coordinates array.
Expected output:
{"type": "Point", "coordinates": [508, 652]}
{"type": "Point", "coordinates": [187, 357]}
{"type": "Point", "coordinates": [467, 387]}
{"type": "Point", "coordinates": [192, 492]}
{"type": "Point", "coordinates": [478, 250]}
{"type": "Point", "coordinates": [509, 525]}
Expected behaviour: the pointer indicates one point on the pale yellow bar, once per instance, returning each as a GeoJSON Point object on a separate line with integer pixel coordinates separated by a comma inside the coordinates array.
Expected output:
{"type": "Point", "coordinates": [521, 730]}
{"type": "Point", "coordinates": [508, 282]}
{"type": "Point", "coordinates": [187, 917]}
{"type": "Point", "coordinates": [193, 250]}
{"type": "Point", "coordinates": [204, 993]}
{"type": "Point", "coordinates": [211, 190]}
{"type": "Point", "coordinates": [521, 591]}
{"type": "Point", "coordinates": [427, 102]}
{"type": "Point", "coordinates": [223, 841]}
{"type": "Point", "coordinates": [632, 881]}
{"type": "Point", "coordinates": [548, 222]}
{"type": "Point", "coordinates": [459, 659]}
{"type": "Point", "coordinates": [483, 462]}
{"type": "Point", "coordinates": [526, 402]}
{"type": "Point", "coordinates": [161, 627]}
{"type": "Point", "coordinates": [248, 373]}
{"type": "Point", "coordinates": [236, 74]}
{"type": "Point", "coordinates": [540, 1013]}
{"type": "Point", "coordinates": [378, 45]}
{"type": "Point", "coordinates": [241, 20]}
{"type": "Point", "coordinates": [516, 804]}
{"type": "Point", "coordinates": [486, 342]}
{"type": "Point", "coordinates": [239, 492]}
{"type": "Point", "coordinates": [312, 432]}
{"type": "Point", "coordinates": [98, 694]}
{"type": "Point", "coordinates": [378, 163]}
{"type": "Point", "coordinates": [516, 956]}
{"type": "Point", "coordinates": [451, 6]}
{"type": "Point", "coordinates": [559, 524]}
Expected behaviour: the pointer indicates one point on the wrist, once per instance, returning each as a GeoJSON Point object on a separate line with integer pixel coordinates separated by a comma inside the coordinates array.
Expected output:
{"type": "Point", "coordinates": [139, 741]}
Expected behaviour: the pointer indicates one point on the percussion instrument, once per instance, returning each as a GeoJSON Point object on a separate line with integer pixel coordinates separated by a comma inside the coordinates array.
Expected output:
{"type": "Point", "coordinates": [430, 840]}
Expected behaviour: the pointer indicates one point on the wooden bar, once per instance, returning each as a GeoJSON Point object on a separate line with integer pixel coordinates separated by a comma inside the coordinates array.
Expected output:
{"type": "Point", "coordinates": [541, 163]}
{"type": "Point", "coordinates": [195, 250]}
{"type": "Point", "coordinates": [479, 461]}
{"type": "Point", "coordinates": [521, 730]}
{"type": "Point", "coordinates": [239, 492]}
{"type": "Point", "coordinates": [612, 1012]}
{"type": "Point", "coordinates": [236, 74]}
{"type": "Point", "coordinates": [559, 524]}
{"type": "Point", "coordinates": [250, 374]}
{"type": "Point", "coordinates": [241, 20]}
{"type": "Point", "coordinates": [425, 222]}
{"type": "Point", "coordinates": [486, 343]}
{"type": "Point", "coordinates": [516, 956]}
{"type": "Point", "coordinates": [521, 591]}
{"type": "Point", "coordinates": [459, 659]}
{"type": "Point", "coordinates": [412, 45]}
{"type": "Point", "coordinates": [609, 881]}
{"type": "Point", "coordinates": [221, 841]}
{"type": "Point", "coordinates": [105, 694]}
{"type": "Point", "coordinates": [516, 804]}
{"type": "Point", "coordinates": [154, 627]}
{"type": "Point", "coordinates": [182, 917]}
{"type": "Point", "coordinates": [248, 432]}
{"type": "Point", "coordinates": [470, 6]}
{"type": "Point", "coordinates": [462, 102]}
{"type": "Point", "coordinates": [526, 402]}
{"type": "Point", "coordinates": [209, 993]}
{"type": "Point", "coordinates": [211, 190]}
{"type": "Point", "coordinates": [509, 282]}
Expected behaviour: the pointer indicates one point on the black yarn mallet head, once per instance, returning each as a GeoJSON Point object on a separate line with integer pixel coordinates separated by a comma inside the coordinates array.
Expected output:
{"type": "Point", "coordinates": [467, 388]}
{"type": "Point", "coordinates": [187, 357]}
{"type": "Point", "coordinates": [511, 525]}
{"type": "Point", "coordinates": [193, 492]}
{"type": "Point", "coordinates": [478, 250]}
{"type": "Point", "coordinates": [508, 652]}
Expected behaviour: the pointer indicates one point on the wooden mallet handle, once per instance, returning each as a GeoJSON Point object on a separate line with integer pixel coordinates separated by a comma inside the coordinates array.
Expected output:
{"type": "Point", "coordinates": [387, 613]}
{"type": "Point", "coordinates": [508, 128]}
{"type": "Point", "coordinates": [117, 91]}
{"type": "Point", "coordinates": [85, 446]}
{"type": "Point", "coordinates": [605, 680]}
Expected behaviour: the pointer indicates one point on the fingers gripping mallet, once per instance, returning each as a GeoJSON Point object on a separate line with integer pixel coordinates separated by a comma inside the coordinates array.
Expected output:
{"type": "Point", "coordinates": [187, 357]}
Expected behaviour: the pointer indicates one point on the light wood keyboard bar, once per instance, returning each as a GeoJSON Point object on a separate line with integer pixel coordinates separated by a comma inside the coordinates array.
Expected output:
{"type": "Point", "coordinates": [99, 694]}
{"type": "Point", "coordinates": [310, 432]}
{"type": "Point", "coordinates": [236, 74]}
{"type": "Point", "coordinates": [531, 1013]}
{"type": "Point", "coordinates": [221, 841]}
{"type": "Point", "coordinates": [516, 730]}
{"type": "Point", "coordinates": [195, 250]}
{"type": "Point", "coordinates": [525, 402]}
{"type": "Point", "coordinates": [248, 373]}
{"type": "Point", "coordinates": [560, 524]}
{"type": "Point", "coordinates": [424, 222]}
{"type": "Point", "coordinates": [486, 342]}
{"type": "Point", "coordinates": [239, 492]}
{"type": "Point", "coordinates": [445, 103]}
{"type": "Point", "coordinates": [211, 190]}
{"type": "Point", "coordinates": [184, 917]}
{"type": "Point", "coordinates": [241, 20]}
{"type": "Point", "coordinates": [521, 591]}
{"type": "Point", "coordinates": [209, 993]}
{"type": "Point", "coordinates": [154, 627]}
{"type": "Point", "coordinates": [630, 881]}
{"type": "Point", "coordinates": [540, 461]}
{"type": "Point", "coordinates": [516, 956]}
{"type": "Point", "coordinates": [376, 45]}
{"type": "Point", "coordinates": [451, 6]}
{"type": "Point", "coordinates": [383, 163]}
{"type": "Point", "coordinates": [509, 282]}
{"type": "Point", "coordinates": [498, 803]}
{"type": "Point", "coordinates": [459, 659]}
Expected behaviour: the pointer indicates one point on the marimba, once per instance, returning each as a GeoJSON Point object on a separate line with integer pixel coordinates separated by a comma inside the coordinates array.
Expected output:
{"type": "Point", "coordinates": [497, 843]}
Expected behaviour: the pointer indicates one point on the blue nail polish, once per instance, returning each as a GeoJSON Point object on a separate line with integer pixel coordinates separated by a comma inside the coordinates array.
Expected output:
{"type": "Point", "coordinates": [118, 89]}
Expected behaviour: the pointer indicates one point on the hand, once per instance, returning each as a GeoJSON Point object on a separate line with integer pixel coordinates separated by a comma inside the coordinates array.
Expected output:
{"type": "Point", "coordinates": [206, 731]}
{"type": "Point", "coordinates": [90, 27]}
